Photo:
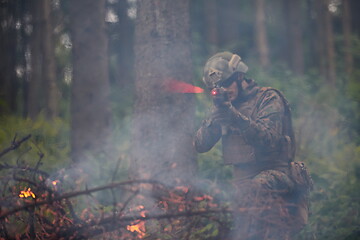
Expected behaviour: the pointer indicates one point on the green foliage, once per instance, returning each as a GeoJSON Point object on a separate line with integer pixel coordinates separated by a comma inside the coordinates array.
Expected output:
{"type": "Point", "coordinates": [207, 232]}
{"type": "Point", "coordinates": [326, 120]}
{"type": "Point", "coordinates": [50, 138]}
{"type": "Point", "coordinates": [335, 205]}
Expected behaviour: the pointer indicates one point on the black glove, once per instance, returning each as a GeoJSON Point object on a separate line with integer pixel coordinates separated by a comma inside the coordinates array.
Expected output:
{"type": "Point", "coordinates": [228, 115]}
{"type": "Point", "coordinates": [221, 115]}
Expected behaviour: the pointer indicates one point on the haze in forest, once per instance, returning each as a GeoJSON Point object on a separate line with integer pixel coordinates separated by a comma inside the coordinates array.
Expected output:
{"type": "Point", "coordinates": [85, 79]}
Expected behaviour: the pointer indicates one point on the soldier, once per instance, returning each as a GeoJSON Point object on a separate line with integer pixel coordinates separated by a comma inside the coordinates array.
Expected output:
{"type": "Point", "coordinates": [255, 127]}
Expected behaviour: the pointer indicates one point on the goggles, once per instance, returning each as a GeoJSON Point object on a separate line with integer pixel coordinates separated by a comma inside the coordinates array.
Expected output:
{"type": "Point", "coordinates": [227, 82]}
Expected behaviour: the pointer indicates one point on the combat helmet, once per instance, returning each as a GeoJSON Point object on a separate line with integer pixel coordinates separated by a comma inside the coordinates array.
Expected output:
{"type": "Point", "coordinates": [221, 67]}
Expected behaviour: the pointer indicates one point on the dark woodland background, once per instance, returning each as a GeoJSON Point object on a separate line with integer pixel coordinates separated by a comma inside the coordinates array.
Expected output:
{"type": "Point", "coordinates": [85, 79]}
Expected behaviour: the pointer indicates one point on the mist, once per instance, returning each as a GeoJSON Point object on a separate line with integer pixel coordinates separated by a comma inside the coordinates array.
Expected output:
{"type": "Point", "coordinates": [88, 80]}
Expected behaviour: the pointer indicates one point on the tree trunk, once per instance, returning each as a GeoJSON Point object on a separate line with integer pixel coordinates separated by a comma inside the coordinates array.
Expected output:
{"type": "Point", "coordinates": [325, 41]}
{"type": "Point", "coordinates": [122, 48]}
{"type": "Point", "coordinates": [346, 23]}
{"type": "Point", "coordinates": [90, 108]}
{"type": "Point", "coordinates": [260, 33]}
{"type": "Point", "coordinates": [310, 31]}
{"type": "Point", "coordinates": [24, 59]}
{"type": "Point", "coordinates": [8, 40]}
{"type": "Point", "coordinates": [36, 90]}
{"type": "Point", "coordinates": [211, 24]}
{"type": "Point", "coordinates": [228, 26]}
{"type": "Point", "coordinates": [163, 122]}
{"type": "Point", "coordinates": [355, 16]}
{"type": "Point", "coordinates": [43, 93]}
{"type": "Point", "coordinates": [294, 26]}
{"type": "Point", "coordinates": [329, 43]}
{"type": "Point", "coordinates": [320, 46]}
{"type": "Point", "coordinates": [49, 63]}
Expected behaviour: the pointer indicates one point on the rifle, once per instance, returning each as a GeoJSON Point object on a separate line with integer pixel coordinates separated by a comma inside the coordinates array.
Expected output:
{"type": "Point", "coordinates": [220, 97]}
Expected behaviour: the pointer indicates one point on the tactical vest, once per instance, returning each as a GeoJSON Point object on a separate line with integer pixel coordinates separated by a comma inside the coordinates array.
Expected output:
{"type": "Point", "coordinates": [253, 159]}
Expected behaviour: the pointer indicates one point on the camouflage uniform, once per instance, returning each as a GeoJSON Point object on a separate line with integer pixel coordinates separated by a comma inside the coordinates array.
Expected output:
{"type": "Point", "coordinates": [258, 143]}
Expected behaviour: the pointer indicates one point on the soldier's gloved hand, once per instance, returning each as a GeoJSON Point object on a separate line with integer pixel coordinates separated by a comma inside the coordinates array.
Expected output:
{"type": "Point", "coordinates": [222, 115]}
{"type": "Point", "coordinates": [228, 115]}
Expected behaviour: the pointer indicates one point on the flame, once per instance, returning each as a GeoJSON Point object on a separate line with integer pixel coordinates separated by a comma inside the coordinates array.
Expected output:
{"type": "Point", "coordinates": [27, 193]}
{"type": "Point", "coordinates": [138, 226]}
{"type": "Point", "coordinates": [182, 188]}
{"type": "Point", "coordinates": [176, 86]}
{"type": "Point", "coordinates": [204, 197]}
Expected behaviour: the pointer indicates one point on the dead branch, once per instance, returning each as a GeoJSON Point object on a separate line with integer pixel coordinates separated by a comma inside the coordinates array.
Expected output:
{"type": "Point", "coordinates": [14, 145]}
{"type": "Point", "coordinates": [24, 168]}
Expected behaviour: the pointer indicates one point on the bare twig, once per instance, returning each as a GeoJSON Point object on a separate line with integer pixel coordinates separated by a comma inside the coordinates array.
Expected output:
{"type": "Point", "coordinates": [22, 154]}
{"type": "Point", "coordinates": [41, 156]}
{"type": "Point", "coordinates": [38, 171]}
{"type": "Point", "coordinates": [31, 222]}
{"type": "Point", "coordinates": [112, 189]}
{"type": "Point", "coordinates": [128, 200]}
{"type": "Point", "coordinates": [72, 211]}
{"type": "Point", "coordinates": [25, 180]}
{"type": "Point", "coordinates": [14, 145]}
{"type": "Point", "coordinates": [3, 230]}
{"type": "Point", "coordinates": [116, 170]}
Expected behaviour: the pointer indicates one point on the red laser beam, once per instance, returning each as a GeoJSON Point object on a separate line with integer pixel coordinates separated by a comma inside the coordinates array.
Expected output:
{"type": "Point", "coordinates": [176, 86]}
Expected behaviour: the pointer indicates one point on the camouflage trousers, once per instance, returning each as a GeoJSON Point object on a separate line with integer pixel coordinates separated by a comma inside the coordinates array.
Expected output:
{"type": "Point", "coordinates": [261, 207]}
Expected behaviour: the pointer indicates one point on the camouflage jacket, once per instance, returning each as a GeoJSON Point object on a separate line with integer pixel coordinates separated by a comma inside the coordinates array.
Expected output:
{"type": "Point", "coordinates": [264, 142]}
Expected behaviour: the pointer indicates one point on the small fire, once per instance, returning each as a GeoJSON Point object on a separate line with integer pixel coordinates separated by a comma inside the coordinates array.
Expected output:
{"type": "Point", "coordinates": [182, 188]}
{"type": "Point", "coordinates": [204, 197]}
{"type": "Point", "coordinates": [176, 86]}
{"type": "Point", "coordinates": [138, 226]}
{"type": "Point", "coordinates": [27, 193]}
